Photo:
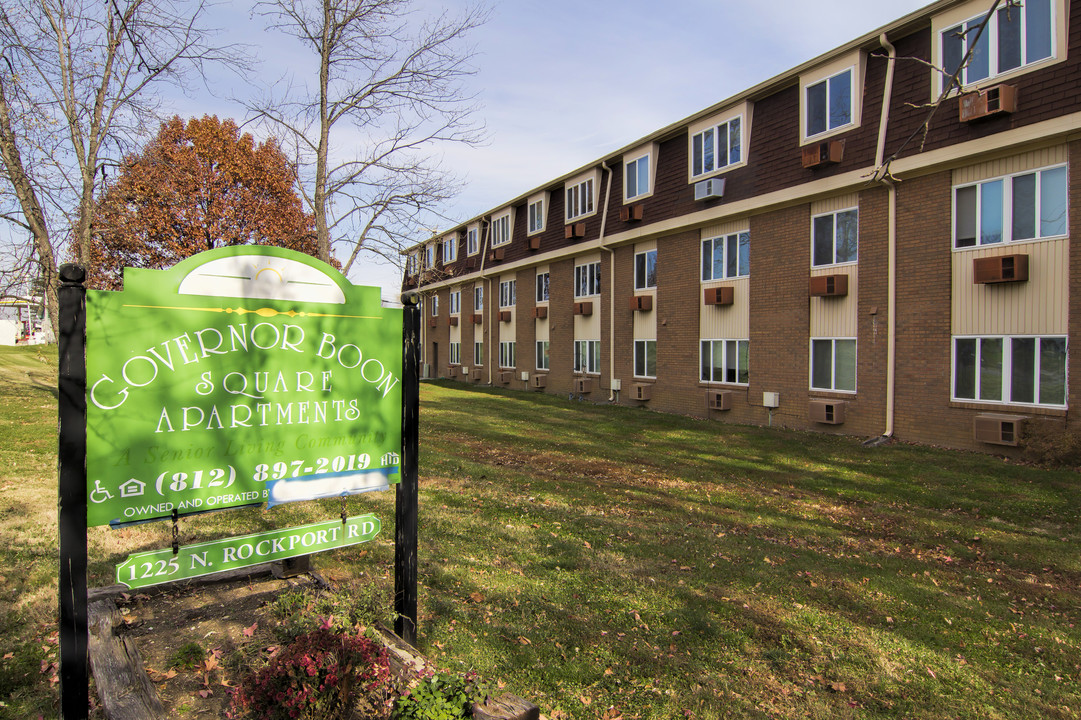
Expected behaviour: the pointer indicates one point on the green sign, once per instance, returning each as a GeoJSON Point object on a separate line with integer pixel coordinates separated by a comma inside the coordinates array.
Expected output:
{"type": "Point", "coordinates": [161, 566]}
{"type": "Point", "coordinates": [238, 376]}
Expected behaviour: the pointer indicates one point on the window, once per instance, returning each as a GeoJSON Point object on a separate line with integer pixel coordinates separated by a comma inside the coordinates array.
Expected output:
{"type": "Point", "coordinates": [1018, 34]}
{"type": "Point", "coordinates": [833, 364]}
{"type": "Point", "coordinates": [717, 147]}
{"type": "Point", "coordinates": [1025, 206]}
{"type": "Point", "coordinates": [727, 256]}
{"type": "Point", "coordinates": [645, 270]}
{"type": "Point", "coordinates": [834, 237]}
{"type": "Point", "coordinates": [725, 361]}
{"type": "Point", "coordinates": [542, 355]}
{"type": "Point", "coordinates": [1021, 370]}
{"type": "Point", "coordinates": [637, 178]}
{"type": "Point", "coordinates": [429, 257]}
{"type": "Point", "coordinates": [478, 299]}
{"type": "Point", "coordinates": [506, 354]}
{"type": "Point", "coordinates": [587, 356]}
{"type": "Point", "coordinates": [587, 279]}
{"type": "Point", "coordinates": [507, 292]}
{"type": "Point", "coordinates": [472, 241]}
{"type": "Point", "coordinates": [501, 230]}
{"type": "Point", "coordinates": [450, 249]}
{"type": "Point", "coordinates": [536, 216]}
{"type": "Point", "coordinates": [828, 103]}
{"type": "Point", "coordinates": [411, 264]}
{"type": "Point", "coordinates": [435, 305]}
{"type": "Point", "coordinates": [645, 358]}
{"type": "Point", "coordinates": [456, 302]}
{"type": "Point", "coordinates": [478, 352]}
{"type": "Point", "coordinates": [542, 287]}
{"type": "Point", "coordinates": [580, 199]}
{"type": "Point", "coordinates": [455, 353]}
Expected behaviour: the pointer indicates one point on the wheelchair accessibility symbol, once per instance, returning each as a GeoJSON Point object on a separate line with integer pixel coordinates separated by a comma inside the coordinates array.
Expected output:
{"type": "Point", "coordinates": [99, 494]}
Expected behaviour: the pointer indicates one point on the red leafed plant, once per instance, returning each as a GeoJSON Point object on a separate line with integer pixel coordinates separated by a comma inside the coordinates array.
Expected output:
{"type": "Point", "coordinates": [319, 676]}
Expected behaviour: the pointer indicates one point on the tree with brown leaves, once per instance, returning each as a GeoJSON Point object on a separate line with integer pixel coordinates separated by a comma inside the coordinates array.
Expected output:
{"type": "Point", "coordinates": [198, 185]}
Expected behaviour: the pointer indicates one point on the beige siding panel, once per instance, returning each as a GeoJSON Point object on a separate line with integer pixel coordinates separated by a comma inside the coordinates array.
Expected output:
{"type": "Point", "coordinates": [1007, 166]}
{"type": "Point", "coordinates": [542, 329]}
{"type": "Point", "coordinates": [456, 331]}
{"type": "Point", "coordinates": [645, 323]}
{"type": "Point", "coordinates": [836, 317]}
{"type": "Point", "coordinates": [726, 321]}
{"type": "Point", "coordinates": [1037, 307]}
{"type": "Point", "coordinates": [725, 228]}
{"type": "Point", "coordinates": [588, 327]}
{"type": "Point", "coordinates": [833, 204]}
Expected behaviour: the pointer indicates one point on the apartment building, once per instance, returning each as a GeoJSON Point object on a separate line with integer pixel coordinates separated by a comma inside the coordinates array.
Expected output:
{"type": "Point", "coordinates": [833, 249]}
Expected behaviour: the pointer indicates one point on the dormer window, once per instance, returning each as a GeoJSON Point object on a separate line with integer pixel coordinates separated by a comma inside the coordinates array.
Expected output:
{"type": "Point", "coordinates": [501, 229]}
{"type": "Point", "coordinates": [581, 196]}
{"type": "Point", "coordinates": [450, 249]}
{"type": "Point", "coordinates": [831, 98]}
{"type": "Point", "coordinates": [472, 240]}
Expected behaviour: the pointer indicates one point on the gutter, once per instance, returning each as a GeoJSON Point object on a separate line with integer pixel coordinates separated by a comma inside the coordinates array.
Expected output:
{"type": "Point", "coordinates": [882, 175]}
{"type": "Point", "coordinates": [612, 393]}
{"type": "Point", "coordinates": [487, 219]}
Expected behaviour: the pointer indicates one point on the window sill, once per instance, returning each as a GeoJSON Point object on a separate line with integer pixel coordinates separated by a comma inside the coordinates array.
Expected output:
{"type": "Point", "coordinates": [1009, 243]}
{"type": "Point", "coordinates": [828, 134]}
{"type": "Point", "coordinates": [1010, 408]}
{"type": "Point", "coordinates": [724, 386]}
{"type": "Point", "coordinates": [692, 179]}
{"type": "Point", "coordinates": [822, 394]}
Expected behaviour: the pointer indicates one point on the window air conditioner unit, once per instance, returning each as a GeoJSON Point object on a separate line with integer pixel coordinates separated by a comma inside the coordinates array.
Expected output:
{"type": "Point", "coordinates": [583, 386]}
{"type": "Point", "coordinates": [471, 263]}
{"type": "Point", "coordinates": [538, 382]}
{"type": "Point", "coordinates": [504, 315]}
{"type": "Point", "coordinates": [829, 285]}
{"type": "Point", "coordinates": [452, 321]}
{"type": "Point", "coordinates": [709, 189]}
{"type": "Point", "coordinates": [719, 295]}
{"type": "Point", "coordinates": [988, 102]}
{"type": "Point", "coordinates": [642, 391]}
{"type": "Point", "coordinates": [997, 429]}
{"type": "Point", "coordinates": [496, 254]}
{"type": "Point", "coordinates": [1000, 269]}
{"type": "Point", "coordinates": [630, 213]}
{"type": "Point", "coordinates": [506, 377]}
{"type": "Point", "coordinates": [823, 153]}
{"type": "Point", "coordinates": [478, 318]}
{"type": "Point", "coordinates": [452, 371]}
{"type": "Point", "coordinates": [534, 242]}
{"type": "Point", "coordinates": [583, 308]}
{"type": "Point", "coordinates": [720, 399]}
{"type": "Point", "coordinates": [540, 312]}
{"type": "Point", "coordinates": [432, 322]}
{"type": "Point", "coordinates": [574, 230]}
{"type": "Point", "coordinates": [830, 412]}
{"type": "Point", "coordinates": [477, 374]}
{"type": "Point", "coordinates": [643, 303]}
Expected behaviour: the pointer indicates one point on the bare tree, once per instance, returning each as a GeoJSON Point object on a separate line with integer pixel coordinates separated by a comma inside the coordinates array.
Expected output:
{"type": "Point", "coordinates": [74, 81]}
{"type": "Point", "coordinates": [366, 123]}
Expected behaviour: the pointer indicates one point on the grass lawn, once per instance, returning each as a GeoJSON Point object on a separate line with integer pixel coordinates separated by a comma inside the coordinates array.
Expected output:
{"type": "Point", "coordinates": [609, 562]}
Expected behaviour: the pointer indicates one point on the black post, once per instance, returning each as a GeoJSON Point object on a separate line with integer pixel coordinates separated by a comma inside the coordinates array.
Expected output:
{"type": "Point", "coordinates": [405, 505]}
{"type": "Point", "coordinates": [74, 663]}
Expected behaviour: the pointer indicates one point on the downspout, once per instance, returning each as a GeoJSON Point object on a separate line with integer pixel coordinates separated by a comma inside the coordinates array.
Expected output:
{"type": "Point", "coordinates": [611, 287]}
{"type": "Point", "coordinates": [882, 175]}
{"type": "Point", "coordinates": [487, 295]}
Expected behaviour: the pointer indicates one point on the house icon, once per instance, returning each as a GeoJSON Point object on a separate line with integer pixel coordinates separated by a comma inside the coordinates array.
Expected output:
{"type": "Point", "coordinates": [132, 488]}
{"type": "Point", "coordinates": [390, 459]}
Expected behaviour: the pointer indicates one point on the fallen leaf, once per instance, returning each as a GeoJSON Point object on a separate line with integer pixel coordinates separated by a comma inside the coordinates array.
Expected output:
{"type": "Point", "coordinates": [249, 631]}
{"type": "Point", "coordinates": [524, 640]}
{"type": "Point", "coordinates": [838, 687]}
{"type": "Point", "coordinates": [476, 597]}
{"type": "Point", "coordinates": [586, 700]}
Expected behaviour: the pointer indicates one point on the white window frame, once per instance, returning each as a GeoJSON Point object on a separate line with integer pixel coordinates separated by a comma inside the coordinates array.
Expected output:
{"type": "Point", "coordinates": [580, 196]}
{"type": "Point", "coordinates": [853, 62]}
{"type": "Point", "coordinates": [478, 298]}
{"type": "Point", "coordinates": [945, 26]}
{"type": "Point", "coordinates": [707, 143]}
{"type": "Point", "coordinates": [725, 348]}
{"type": "Point", "coordinates": [435, 305]}
{"type": "Point", "coordinates": [478, 353]}
{"type": "Point", "coordinates": [508, 290]}
{"type": "Point", "coordinates": [502, 229]}
{"type": "Point", "coordinates": [587, 279]}
{"type": "Point", "coordinates": [641, 274]}
{"type": "Point", "coordinates": [411, 264]}
{"type": "Point", "coordinates": [472, 240]}
{"type": "Point", "coordinates": [829, 108]}
{"type": "Point", "coordinates": [834, 240]}
{"type": "Point", "coordinates": [429, 256]}
{"type": "Point", "coordinates": [455, 353]}
{"type": "Point", "coordinates": [450, 249]}
{"type": "Point", "coordinates": [641, 353]}
{"type": "Point", "coordinates": [455, 302]}
{"type": "Point", "coordinates": [641, 163]}
{"type": "Point", "coordinates": [741, 269]}
{"type": "Point", "coordinates": [507, 357]}
{"type": "Point", "coordinates": [543, 357]}
{"type": "Point", "coordinates": [587, 357]}
{"type": "Point", "coordinates": [537, 214]}
{"type": "Point", "coordinates": [1006, 370]}
{"type": "Point", "coordinates": [833, 365]}
{"type": "Point", "coordinates": [543, 286]}
{"type": "Point", "coordinates": [1007, 197]}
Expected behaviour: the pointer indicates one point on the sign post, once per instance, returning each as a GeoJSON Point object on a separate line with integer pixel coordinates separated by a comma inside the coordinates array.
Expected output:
{"type": "Point", "coordinates": [405, 499]}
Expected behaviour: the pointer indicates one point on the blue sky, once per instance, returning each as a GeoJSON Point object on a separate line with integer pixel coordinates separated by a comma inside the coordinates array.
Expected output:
{"type": "Point", "coordinates": [563, 82]}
